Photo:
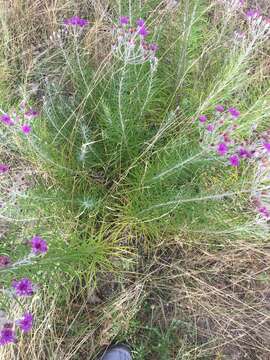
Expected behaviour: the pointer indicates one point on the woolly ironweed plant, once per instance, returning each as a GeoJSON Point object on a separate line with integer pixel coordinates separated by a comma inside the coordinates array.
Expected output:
{"type": "Point", "coordinates": [152, 141]}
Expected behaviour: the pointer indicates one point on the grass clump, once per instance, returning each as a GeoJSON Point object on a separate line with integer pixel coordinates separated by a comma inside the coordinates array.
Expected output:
{"type": "Point", "coordinates": [160, 136]}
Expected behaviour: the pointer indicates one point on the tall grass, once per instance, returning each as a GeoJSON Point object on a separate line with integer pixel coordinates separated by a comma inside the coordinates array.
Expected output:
{"type": "Point", "coordinates": [117, 155]}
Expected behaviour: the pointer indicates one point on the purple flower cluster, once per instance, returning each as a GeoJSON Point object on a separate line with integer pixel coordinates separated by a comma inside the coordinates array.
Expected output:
{"type": "Point", "coordinates": [218, 135]}
{"type": "Point", "coordinates": [19, 118]}
{"type": "Point", "coordinates": [259, 24]}
{"type": "Point", "coordinates": [261, 198]}
{"type": "Point", "coordinates": [21, 288]}
{"type": "Point", "coordinates": [38, 245]}
{"type": "Point", "coordinates": [219, 138]}
{"type": "Point", "coordinates": [8, 331]}
{"type": "Point", "coordinates": [253, 13]}
{"type": "Point", "coordinates": [76, 21]}
{"type": "Point", "coordinates": [130, 42]}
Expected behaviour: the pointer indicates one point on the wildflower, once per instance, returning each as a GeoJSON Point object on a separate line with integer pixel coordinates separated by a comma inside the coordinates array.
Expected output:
{"type": "Point", "coordinates": [4, 261]}
{"type": "Point", "coordinates": [6, 119]}
{"type": "Point", "coordinates": [263, 210]}
{"type": "Point", "coordinates": [244, 153]}
{"type": "Point", "coordinates": [222, 149]}
{"type": "Point", "coordinates": [26, 323]}
{"type": "Point", "coordinates": [140, 22]}
{"type": "Point", "coordinates": [124, 20]}
{"type": "Point", "coordinates": [153, 47]}
{"type": "Point", "coordinates": [23, 287]}
{"type": "Point", "coordinates": [39, 246]}
{"type": "Point", "coordinates": [31, 113]}
{"type": "Point", "coordinates": [202, 118]}
{"type": "Point", "coordinates": [210, 128]}
{"type": "Point", "coordinates": [7, 336]}
{"type": "Point", "coordinates": [234, 160]}
{"type": "Point", "coordinates": [131, 48]}
{"type": "Point", "coordinates": [266, 145]}
{"type": "Point", "coordinates": [26, 129]}
{"type": "Point", "coordinates": [220, 108]}
{"type": "Point", "coordinates": [76, 21]}
{"type": "Point", "coordinates": [3, 168]}
{"type": "Point", "coordinates": [143, 32]}
{"type": "Point", "coordinates": [252, 13]}
{"type": "Point", "coordinates": [234, 112]}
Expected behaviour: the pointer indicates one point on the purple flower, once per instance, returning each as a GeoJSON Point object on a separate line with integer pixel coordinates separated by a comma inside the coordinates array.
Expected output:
{"type": "Point", "coordinates": [39, 246]}
{"type": "Point", "coordinates": [234, 112]}
{"type": "Point", "coordinates": [3, 168]}
{"type": "Point", "coordinates": [140, 22]}
{"type": "Point", "coordinates": [222, 149]}
{"type": "Point", "coordinates": [234, 160]}
{"type": "Point", "coordinates": [220, 108]}
{"type": "Point", "coordinates": [4, 261]}
{"type": "Point", "coordinates": [143, 31]}
{"type": "Point", "coordinates": [202, 118]}
{"type": "Point", "coordinates": [26, 129]}
{"type": "Point", "coordinates": [153, 47]}
{"type": "Point", "coordinates": [26, 323]}
{"type": "Point", "coordinates": [123, 20]}
{"type": "Point", "coordinates": [210, 128]}
{"type": "Point", "coordinates": [263, 210]}
{"type": "Point", "coordinates": [76, 21]}
{"type": "Point", "coordinates": [31, 113]}
{"type": "Point", "coordinates": [6, 119]}
{"type": "Point", "coordinates": [244, 153]}
{"type": "Point", "coordinates": [7, 336]}
{"type": "Point", "coordinates": [23, 287]}
{"type": "Point", "coordinates": [252, 13]}
{"type": "Point", "coordinates": [266, 145]}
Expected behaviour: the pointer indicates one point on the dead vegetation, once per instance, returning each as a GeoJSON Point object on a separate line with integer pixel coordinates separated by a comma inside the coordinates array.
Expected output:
{"type": "Point", "coordinates": [220, 294]}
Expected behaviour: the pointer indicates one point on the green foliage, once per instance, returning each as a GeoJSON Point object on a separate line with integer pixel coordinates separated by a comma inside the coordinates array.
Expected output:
{"type": "Point", "coordinates": [116, 153]}
{"type": "Point", "coordinates": [150, 338]}
{"type": "Point", "coordinates": [118, 141]}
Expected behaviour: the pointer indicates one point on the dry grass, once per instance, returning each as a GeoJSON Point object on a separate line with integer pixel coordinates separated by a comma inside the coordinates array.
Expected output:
{"type": "Point", "coordinates": [227, 294]}
{"type": "Point", "coordinates": [221, 298]}
{"type": "Point", "coordinates": [223, 293]}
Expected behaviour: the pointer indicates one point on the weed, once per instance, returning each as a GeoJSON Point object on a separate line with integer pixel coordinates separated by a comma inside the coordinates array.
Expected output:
{"type": "Point", "coordinates": [162, 135]}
